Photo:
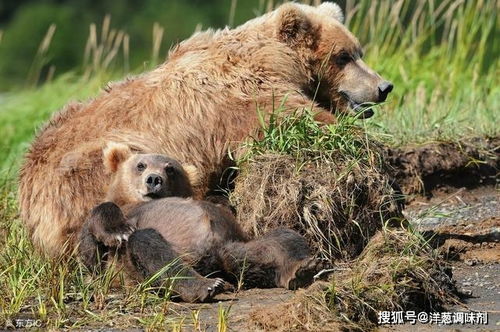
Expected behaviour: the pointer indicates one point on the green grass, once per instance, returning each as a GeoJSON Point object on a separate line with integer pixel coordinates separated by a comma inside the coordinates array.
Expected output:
{"type": "Point", "coordinates": [298, 135]}
{"type": "Point", "coordinates": [22, 113]}
{"type": "Point", "coordinates": [444, 64]}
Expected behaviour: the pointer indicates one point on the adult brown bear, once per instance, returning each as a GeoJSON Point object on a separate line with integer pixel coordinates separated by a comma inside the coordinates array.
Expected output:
{"type": "Point", "coordinates": [150, 221]}
{"type": "Point", "coordinates": [194, 107]}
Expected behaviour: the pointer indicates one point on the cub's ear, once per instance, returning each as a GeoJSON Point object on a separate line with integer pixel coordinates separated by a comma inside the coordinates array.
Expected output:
{"type": "Point", "coordinates": [294, 27]}
{"type": "Point", "coordinates": [192, 173]}
{"type": "Point", "coordinates": [333, 10]}
{"type": "Point", "coordinates": [114, 154]}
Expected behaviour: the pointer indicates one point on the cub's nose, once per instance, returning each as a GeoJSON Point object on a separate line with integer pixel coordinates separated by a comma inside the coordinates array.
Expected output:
{"type": "Point", "coordinates": [384, 89]}
{"type": "Point", "coordinates": [154, 182]}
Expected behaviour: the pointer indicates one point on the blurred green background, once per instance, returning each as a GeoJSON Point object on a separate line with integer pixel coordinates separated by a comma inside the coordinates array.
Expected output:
{"type": "Point", "coordinates": [25, 23]}
{"type": "Point", "coordinates": [41, 39]}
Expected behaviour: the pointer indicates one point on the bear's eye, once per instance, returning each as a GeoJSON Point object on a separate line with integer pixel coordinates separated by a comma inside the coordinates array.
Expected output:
{"type": "Point", "coordinates": [141, 167]}
{"type": "Point", "coordinates": [343, 58]}
{"type": "Point", "coordinates": [170, 170]}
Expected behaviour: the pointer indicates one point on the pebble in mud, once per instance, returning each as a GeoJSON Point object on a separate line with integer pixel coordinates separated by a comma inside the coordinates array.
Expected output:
{"type": "Point", "coordinates": [470, 262]}
{"type": "Point", "coordinates": [467, 292]}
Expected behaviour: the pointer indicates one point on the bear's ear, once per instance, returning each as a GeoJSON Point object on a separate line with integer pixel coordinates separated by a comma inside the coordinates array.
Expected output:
{"type": "Point", "coordinates": [293, 24]}
{"type": "Point", "coordinates": [114, 154]}
{"type": "Point", "coordinates": [192, 173]}
{"type": "Point", "coordinates": [333, 10]}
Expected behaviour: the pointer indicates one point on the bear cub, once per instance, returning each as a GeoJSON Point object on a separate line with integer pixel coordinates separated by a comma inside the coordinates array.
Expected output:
{"type": "Point", "coordinates": [150, 221]}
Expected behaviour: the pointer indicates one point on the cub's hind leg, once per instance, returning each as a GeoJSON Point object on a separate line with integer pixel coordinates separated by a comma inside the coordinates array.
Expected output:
{"type": "Point", "coordinates": [280, 258]}
{"type": "Point", "coordinates": [148, 253]}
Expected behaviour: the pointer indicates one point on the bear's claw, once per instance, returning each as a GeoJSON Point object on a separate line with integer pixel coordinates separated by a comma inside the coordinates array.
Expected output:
{"type": "Point", "coordinates": [308, 272]}
{"type": "Point", "coordinates": [323, 273]}
{"type": "Point", "coordinates": [217, 287]}
{"type": "Point", "coordinates": [116, 239]}
{"type": "Point", "coordinates": [211, 288]}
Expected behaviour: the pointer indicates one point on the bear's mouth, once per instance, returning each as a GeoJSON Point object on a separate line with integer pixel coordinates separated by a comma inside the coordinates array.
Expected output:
{"type": "Point", "coordinates": [151, 196]}
{"type": "Point", "coordinates": [362, 110]}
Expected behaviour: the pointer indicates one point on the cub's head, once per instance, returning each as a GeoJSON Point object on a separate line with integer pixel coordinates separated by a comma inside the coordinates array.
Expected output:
{"type": "Point", "coordinates": [334, 57]}
{"type": "Point", "coordinates": [139, 177]}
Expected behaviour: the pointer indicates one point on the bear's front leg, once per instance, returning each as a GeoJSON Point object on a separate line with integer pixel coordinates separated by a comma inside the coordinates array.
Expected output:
{"type": "Point", "coordinates": [91, 252]}
{"type": "Point", "coordinates": [108, 225]}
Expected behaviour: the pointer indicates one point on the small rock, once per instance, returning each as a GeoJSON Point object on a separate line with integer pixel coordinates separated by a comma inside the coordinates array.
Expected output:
{"type": "Point", "coordinates": [466, 283]}
{"type": "Point", "coordinates": [467, 292]}
{"type": "Point", "coordinates": [470, 262]}
{"type": "Point", "coordinates": [486, 275]}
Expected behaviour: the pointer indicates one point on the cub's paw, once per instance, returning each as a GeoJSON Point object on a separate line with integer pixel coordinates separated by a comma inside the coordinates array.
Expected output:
{"type": "Point", "coordinates": [117, 237]}
{"type": "Point", "coordinates": [208, 289]}
{"type": "Point", "coordinates": [308, 272]}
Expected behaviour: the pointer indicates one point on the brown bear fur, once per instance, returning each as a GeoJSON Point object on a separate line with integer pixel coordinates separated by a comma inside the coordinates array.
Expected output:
{"type": "Point", "coordinates": [148, 203]}
{"type": "Point", "coordinates": [201, 102]}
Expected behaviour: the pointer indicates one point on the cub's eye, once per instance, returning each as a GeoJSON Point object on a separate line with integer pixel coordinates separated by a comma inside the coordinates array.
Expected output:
{"type": "Point", "coordinates": [343, 59]}
{"type": "Point", "coordinates": [169, 170]}
{"type": "Point", "coordinates": [141, 167]}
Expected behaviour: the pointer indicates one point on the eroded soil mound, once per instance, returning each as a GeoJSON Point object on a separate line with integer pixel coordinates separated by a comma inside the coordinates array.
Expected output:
{"type": "Point", "coordinates": [420, 170]}
{"type": "Point", "coordinates": [337, 205]}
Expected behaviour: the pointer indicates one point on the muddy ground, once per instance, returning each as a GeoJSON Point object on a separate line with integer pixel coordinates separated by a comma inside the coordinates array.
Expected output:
{"type": "Point", "coordinates": [427, 169]}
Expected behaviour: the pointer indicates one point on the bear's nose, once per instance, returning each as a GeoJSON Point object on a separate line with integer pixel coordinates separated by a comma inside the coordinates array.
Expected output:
{"type": "Point", "coordinates": [154, 182]}
{"type": "Point", "coordinates": [384, 89]}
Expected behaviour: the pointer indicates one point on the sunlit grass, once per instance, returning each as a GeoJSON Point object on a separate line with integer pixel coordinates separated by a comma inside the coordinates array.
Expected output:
{"type": "Point", "coordinates": [443, 60]}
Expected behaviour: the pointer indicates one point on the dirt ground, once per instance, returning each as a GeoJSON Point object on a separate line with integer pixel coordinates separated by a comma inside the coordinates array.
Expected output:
{"type": "Point", "coordinates": [425, 169]}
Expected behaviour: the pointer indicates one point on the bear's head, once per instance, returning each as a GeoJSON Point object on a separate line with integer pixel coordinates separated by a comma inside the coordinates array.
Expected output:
{"type": "Point", "coordinates": [137, 177]}
{"type": "Point", "coordinates": [340, 80]}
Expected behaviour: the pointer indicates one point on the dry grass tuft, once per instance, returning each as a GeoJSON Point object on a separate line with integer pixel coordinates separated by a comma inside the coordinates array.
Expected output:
{"type": "Point", "coordinates": [307, 311]}
{"type": "Point", "coordinates": [328, 182]}
{"type": "Point", "coordinates": [398, 270]}
{"type": "Point", "coordinates": [336, 204]}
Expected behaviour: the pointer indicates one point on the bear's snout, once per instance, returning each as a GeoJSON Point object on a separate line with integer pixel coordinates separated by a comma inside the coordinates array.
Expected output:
{"type": "Point", "coordinates": [384, 89]}
{"type": "Point", "coordinates": [154, 183]}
